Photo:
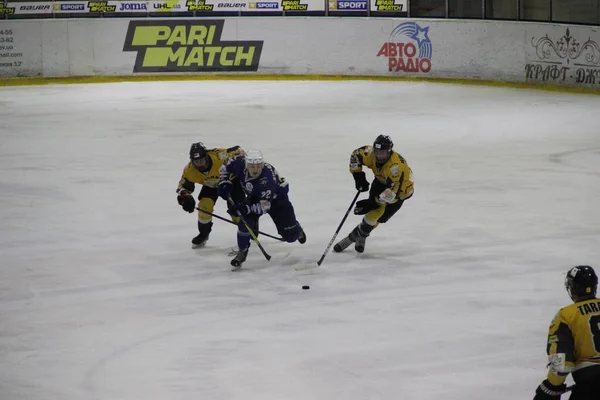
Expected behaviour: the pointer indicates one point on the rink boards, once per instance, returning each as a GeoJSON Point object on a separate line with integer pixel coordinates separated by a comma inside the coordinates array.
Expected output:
{"type": "Point", "coordinates": [382, 47]}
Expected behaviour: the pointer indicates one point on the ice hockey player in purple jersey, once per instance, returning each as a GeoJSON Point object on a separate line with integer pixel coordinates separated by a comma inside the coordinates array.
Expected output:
{"type": "Point", "coordinates": [266, 193]}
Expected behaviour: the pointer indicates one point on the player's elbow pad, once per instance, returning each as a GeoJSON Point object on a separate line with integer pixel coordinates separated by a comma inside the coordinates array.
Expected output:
{"type": "Point", "coordinates": [558, 364]}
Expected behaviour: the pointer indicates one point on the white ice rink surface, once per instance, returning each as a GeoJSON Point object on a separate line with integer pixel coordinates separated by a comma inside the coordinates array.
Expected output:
{"type": "Point", "coordinates": [102, 298]}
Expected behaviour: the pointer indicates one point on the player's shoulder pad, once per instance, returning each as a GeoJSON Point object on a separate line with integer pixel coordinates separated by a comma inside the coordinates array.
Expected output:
{"type": "Point", "coordinates": [568, 311]}
{"type": "Point", "coordinates": [364, 149]}
{"type": "Point", "coordinates": [396, 158]}
{"type": "Point", "coordinates": [188, 167]}
{"type": "Point", "coordinates": [234, 149]}
{"type": "Point", "coordinates": [399, 157]}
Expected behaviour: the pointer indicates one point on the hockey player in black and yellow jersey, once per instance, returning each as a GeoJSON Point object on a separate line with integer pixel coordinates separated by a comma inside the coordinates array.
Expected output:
{"type": "Point", "coordinates": [203, 169]}
{"type": "Point", "coordinates": [393, 184]}
{"type": "Point", "coordinates": [574, 341]}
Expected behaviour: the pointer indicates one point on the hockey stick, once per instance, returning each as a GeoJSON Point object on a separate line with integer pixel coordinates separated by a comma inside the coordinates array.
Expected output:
{"type": "Point", "coordinates": [338, 229]}
{"type": "Point", "coordinates": [252, 234]}
{"type": "Point", "coordinates": [233, 223]}
{"type": "Point", "coordinates": [311, 266]}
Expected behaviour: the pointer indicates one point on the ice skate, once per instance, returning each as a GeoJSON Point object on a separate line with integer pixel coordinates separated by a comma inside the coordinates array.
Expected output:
{"type": "Point", "coordinates": [302, 237]}
{"type": "Point", "coordinates": [359, 245]}
{"type": "Point", "coordinates": [199, 241]}
{"type": "Point", "coordinates": [239, 259]}
{"type": "Point", "coordinates": [204, 232]}
{"type": "Point", "coordinates": [343, 244]}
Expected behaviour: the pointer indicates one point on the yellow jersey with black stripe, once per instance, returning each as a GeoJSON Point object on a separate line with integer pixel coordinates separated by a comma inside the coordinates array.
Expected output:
{"type": "Point", "coordinates": [394, 174]}
{"type": "Point", "coordinates": [574, 341]}
{"type": "Point", "coordinates": [216, 157]}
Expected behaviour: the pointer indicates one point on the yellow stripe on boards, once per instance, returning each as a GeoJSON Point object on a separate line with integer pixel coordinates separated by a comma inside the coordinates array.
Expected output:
{"type": "Point", "coordinates": [258, 77]}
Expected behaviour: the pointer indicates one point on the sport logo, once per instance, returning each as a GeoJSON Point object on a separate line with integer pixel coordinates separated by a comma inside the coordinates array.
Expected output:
{"type": "Point", "coordinates": [68, 7]}
{"type": "Point", "coordinates": [189, 46]}
{"type": "Point", "coordinates": [264, 4]}
{"type": "Point", "coordinates": [408, 49]}
{"type": "Point", "coordinates": [347, 5]}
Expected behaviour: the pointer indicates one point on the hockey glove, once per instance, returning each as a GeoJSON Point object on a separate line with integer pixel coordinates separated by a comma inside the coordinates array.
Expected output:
{"type": "Point", "coordinates": [547, 391]}
{"type": "Point", "coordinates": [225, 189]}
{"type": "Point", "coordinates": [364, 206]}
{"type": "Point", "coordinates": [186, 201]}
{"type": "Point", "coordinates": [360, 180]}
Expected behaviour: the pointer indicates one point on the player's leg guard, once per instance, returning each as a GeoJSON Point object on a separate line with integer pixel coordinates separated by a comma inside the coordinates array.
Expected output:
{"type": "Point", "coordinates": [206, 201]}
{"type": "Point", "coordinates": [363, 230]}
{"type": "Point", "coordinates": [283, 216]}
{"type": "Point", "coordinates": [243, 236]}
{"type": "Point", "coordinates": [204, 229]}
{"type": "Point", "coordinates": [208, 204]}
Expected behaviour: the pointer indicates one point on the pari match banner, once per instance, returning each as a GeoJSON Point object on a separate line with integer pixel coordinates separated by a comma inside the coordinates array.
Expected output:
{"type": "Point", "coordinates": [395, 6]}
{"type": "Point", "coordinates": [166, 6]}
{"type": "Point", "coordinates": [189, 46]}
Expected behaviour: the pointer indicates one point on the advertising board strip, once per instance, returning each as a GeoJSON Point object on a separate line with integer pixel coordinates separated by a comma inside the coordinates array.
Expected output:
{"type": "Point", "coordinates": [174, 6]}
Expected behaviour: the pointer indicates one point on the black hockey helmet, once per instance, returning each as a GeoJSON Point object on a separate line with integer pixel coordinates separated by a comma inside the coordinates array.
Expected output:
{"type": "Point", "coordinates": [198, 150]}
{"type": "Point", "coordinates": [383, 142]}
{"type": "Point", "coordinates": [382, 148]}
{"type": "Point", "coordinates": [581, 282]}
{"type": "Point", "coordinates": [198, 156]}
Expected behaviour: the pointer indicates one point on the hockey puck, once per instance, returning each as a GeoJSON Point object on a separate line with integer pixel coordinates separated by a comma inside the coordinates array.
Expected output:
{"type": "Point", "coordinates": [305, 287]}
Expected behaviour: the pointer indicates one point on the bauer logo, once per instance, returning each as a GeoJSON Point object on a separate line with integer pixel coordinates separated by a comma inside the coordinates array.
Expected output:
{"type": "Point", "coordinates": [189, 46]}
{"type": "Point", "coordinates": [35, 8]}
{"type": "Point", "coordinates": [408, 49]}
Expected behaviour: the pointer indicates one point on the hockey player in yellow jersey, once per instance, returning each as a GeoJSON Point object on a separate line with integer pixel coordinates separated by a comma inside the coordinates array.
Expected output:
{"type": "Point", "coordinates": [574, 341]}
{"type": "Point", "coordinates": [393, 184]}
{"type": "Point", "coordinates": [203, 169]}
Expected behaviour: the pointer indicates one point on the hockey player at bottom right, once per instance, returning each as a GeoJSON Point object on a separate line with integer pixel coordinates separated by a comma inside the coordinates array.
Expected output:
{"type": "Point", "coordinates": [574, 341]}
{"type": "Point", "coordinates": [392, 185]}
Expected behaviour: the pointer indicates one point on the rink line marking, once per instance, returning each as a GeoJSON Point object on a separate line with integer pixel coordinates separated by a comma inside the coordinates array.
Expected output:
{"type": "Point", "coordinates": [259, 77]}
